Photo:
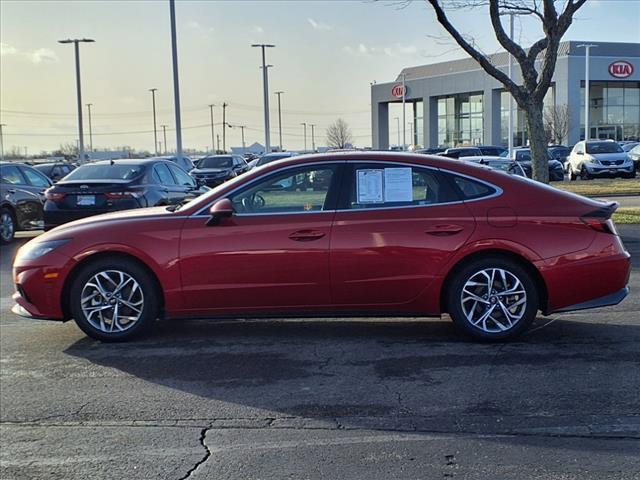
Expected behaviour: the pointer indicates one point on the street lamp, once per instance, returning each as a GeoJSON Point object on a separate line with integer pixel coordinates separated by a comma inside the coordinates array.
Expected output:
{"type": "Point", "coordinates": [76, 42]}
{"type": "Point", "coordinates": [213, 145]}
{"type": "Point", "coordinates": [279, 118]}
{"type": "Point", "coordinates": [305, 135]}
{"type": "Point", "coordinates": [164, 134]}
{"type": "Point", "coordinates": [176, 82]}
{"type": "Point", "coordinates": [404, 118]}
{"type": "Point", "coordinates": [313, 137]}
{"type": "Point", "coordinates": [89, 105]}
{"type": "Point", "coordinates": [587, 48]}
{"type": "Point", "coordinates": [265, 84]}
{"type": "Point", "coordinates": [397, 119]}
{"type": "Point", "coordinates": [155, 133]}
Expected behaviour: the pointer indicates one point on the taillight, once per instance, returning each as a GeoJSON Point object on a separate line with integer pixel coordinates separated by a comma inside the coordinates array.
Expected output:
{"type": "Point", "coordinates": [601, 225]}
{"type": "Point", "coordinates": [120, 195]}
{"type": "Point", "coordinates": [54, 196]}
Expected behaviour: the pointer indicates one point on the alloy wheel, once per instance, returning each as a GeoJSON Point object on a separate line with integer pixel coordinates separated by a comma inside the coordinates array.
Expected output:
{"type": "Point", "coordinates": [493, 300]}
{"type": "Point", "coordinates": [7, 227]}
{"type": "Point", "coordinates": [112, 301]}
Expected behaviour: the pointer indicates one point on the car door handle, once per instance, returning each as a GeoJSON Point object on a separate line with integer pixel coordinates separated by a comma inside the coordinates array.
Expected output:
{"type": "Point", "coordinates": [306, 235]}
{"type": "Point", "coordinates": [11, 190]}
{"type": "Point", "coordinates": [444, 230]}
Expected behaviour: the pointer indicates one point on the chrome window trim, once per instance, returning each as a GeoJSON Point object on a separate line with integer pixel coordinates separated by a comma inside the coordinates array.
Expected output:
{"type": "Point", "coordinates": [497, 193]}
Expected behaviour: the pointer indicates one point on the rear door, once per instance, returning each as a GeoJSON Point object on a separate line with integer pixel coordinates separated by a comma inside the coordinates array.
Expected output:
{"type": "Point", "coordinates": [396, 227]}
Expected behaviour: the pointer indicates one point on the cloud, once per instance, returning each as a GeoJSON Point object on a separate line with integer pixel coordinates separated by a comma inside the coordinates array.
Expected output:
{"type": "Point", "coordinates": [396, 50]}
{"type": "Point", "coordinates": [6, 49]}
{"type": "Point", "coordinates": [43, 55]}
{"type": "Point", "coordinates": [258, 29]}
{"type": "Point", "coordinates": [318, 25]}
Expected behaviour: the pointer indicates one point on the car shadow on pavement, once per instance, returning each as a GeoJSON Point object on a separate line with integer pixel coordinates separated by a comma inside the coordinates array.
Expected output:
{"type": "Point", "coordinates": [394, 376]}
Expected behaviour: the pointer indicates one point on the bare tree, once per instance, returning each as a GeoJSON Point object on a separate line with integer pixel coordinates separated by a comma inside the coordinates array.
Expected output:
{"type": "Point", "coordinates": [557, 119]}
{"type": "Point", "coordinates": [68, 149]}
{"type": "Point", "coordinates": [339, 134]}
{"type": "Point", "coordinates": [530, 95]}
{"type": "Point", "coordinates": [15, 152]}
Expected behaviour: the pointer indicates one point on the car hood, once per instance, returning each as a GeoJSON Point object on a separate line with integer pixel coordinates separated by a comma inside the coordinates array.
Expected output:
{"type": "Point", "coordinates": [67, 230]}
{"type": "Point", "coordinates": [210, 170]}
{"type": "Point", "coordinates": [607, 157]}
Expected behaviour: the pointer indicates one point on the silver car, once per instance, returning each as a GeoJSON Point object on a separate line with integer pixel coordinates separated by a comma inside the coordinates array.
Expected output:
{"type": "Point", "coordinates": [599, 158]}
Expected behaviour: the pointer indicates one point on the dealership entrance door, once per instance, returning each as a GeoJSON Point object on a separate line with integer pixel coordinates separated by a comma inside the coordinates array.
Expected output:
{"type": "Point", "coordinates": [605, 132]}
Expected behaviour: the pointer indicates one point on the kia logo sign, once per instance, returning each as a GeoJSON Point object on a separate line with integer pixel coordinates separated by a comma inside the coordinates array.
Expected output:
{"type": "Point", "coordinates": [621, 69]}
{"type": "Point", "coordinates": [399, 91]}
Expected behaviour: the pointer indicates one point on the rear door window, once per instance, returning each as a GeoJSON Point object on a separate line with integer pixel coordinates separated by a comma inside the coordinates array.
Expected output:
{"type": "Point", "coordinates": [11, 175]}
{"type": "Point", "coordinates": [162, 174]}
{"type": "Point", "coordinates": [35, 178]}
{"type": "Point", "coordinates": [182, 177]}
{"type": "Point", "coordinates": [378, 185]}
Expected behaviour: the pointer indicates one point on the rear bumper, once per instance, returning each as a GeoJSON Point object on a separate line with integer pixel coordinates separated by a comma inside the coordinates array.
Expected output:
{"type": "Point", "coordinates": [54, 216]}
{"type": "Point", "coordinates": [606, 301]}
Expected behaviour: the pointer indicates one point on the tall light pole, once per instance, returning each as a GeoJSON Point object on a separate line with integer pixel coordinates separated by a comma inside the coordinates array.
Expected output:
{"type": "Point", "coordinates": [279, 118]}
{"type": "Point", "coordinates": [587, 50]}
{"type": "Point", "coordinates": [313, 137]}
{"type": "Point", "coordinates": [176, 82]}
{"type": "Point", "coordinates": [2, 142]}
{"type": "Point", "coordinates": [224, 127]}
{"type": "Point", "coordinates": [89, 105]}
{"type": "Point", "coordinates": [510, 144]}
{"type": "Point", "coordinates": [76, 42]}
{"type": "Point", "coordinates": [164, 136]}
{"type": "Point", "coordinates": [305, 135]}
{"type": "Point", "coordinates": [155, 132]}
{"type": "Point", "coordinates": [411, 132]}
{"type": "Point", "coordinates": [213, 143]}
{"type": "Point", "coordinates": [265, 84]}
{"type": "Point", "coordinates": [404, 116]}
{"type": "Point", "coordinates": [242, 127]}
{"type": "Point", "coordinates": [397, 119]}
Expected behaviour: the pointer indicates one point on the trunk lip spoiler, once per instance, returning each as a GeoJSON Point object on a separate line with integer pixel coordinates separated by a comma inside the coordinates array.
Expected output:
{"type": "Point", "coordinates": [606, 211]}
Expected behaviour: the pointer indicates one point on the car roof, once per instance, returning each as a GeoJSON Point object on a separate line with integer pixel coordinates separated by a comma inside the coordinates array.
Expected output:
{"type": "Point", "coordinates": [126, 161]}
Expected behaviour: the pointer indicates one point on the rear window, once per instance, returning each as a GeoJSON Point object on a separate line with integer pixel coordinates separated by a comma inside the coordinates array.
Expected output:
{"type": "Point", "coordinates": [105, 172]}
{"type": "Point", "coordinates": [472, 189]}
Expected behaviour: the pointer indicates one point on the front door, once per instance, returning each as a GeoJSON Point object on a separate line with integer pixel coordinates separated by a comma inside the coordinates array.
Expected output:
{"type": "Point", "coordinates": [272, 254]}
{"type": "Point", "coordinates": [396, 227]}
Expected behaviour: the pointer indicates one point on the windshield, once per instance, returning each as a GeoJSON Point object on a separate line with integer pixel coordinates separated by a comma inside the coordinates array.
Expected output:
{"type": "Point", "coordinates": [215, 162]}
{"type": "Point", "coordinates": [603, 147]}
{"type": "Point", "coordinates": [271, 158]}
{"type": "Point", "coordinates": [105, 172]}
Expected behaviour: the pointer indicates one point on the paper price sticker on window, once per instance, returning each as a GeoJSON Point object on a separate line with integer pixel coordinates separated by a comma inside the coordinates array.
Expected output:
{"type": "Point", "coordinates": [369, 186]}
{"type": "Point", "coordinates": [398, 185]}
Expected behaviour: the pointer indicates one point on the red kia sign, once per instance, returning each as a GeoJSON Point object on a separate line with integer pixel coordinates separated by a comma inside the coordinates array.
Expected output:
{"type": "Point", "coordinates": [399, 90]}
{"type": "Point", "coordinates": [621, 69]}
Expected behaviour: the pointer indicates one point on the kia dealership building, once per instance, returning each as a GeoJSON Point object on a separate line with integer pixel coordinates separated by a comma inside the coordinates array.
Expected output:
{"type": "Point", "coordinates": [457, 103]}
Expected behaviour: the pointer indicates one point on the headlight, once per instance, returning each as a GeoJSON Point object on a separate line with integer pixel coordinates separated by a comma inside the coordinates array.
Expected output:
{"type": "Point", "coordinates": [31, 251]}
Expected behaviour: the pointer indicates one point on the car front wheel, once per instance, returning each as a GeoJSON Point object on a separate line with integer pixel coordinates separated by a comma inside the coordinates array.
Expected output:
{"type": "Point", "coordinates": [114, 300]}
{"type": "Point", "coordinates": [493, 299]}
{"type": "Point", "coordinates": [7, 226]}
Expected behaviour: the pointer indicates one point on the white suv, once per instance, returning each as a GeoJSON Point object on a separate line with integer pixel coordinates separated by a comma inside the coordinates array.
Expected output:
{"type": "Point", "coordinates": [599, 158]}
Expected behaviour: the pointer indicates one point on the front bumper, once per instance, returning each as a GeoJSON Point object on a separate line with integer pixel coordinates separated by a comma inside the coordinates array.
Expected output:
{"type": "Point", "coordinates": [604, 170]}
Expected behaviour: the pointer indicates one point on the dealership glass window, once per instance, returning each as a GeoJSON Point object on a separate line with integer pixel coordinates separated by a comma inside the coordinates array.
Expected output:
{"type": "Point", "coordinates": [460, 120]}
{"type": "Point", "coordinates": [614, 110]}
{"type": "Point", "coordinates": [294, 191]}
{"type": "Point", "coordinates": [520, 129]}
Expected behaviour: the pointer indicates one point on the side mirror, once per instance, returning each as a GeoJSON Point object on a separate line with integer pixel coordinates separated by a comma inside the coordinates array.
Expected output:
{"type": "Point", "coordinates": [219, 210]}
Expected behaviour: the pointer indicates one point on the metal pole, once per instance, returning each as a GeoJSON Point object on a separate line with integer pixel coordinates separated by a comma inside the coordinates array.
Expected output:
{"type": "Point", "coordinates": [176, 82]}
{"type": "Point", "coordinates": [213, 144]}
{"type": "Point", "coordinates": [305, 135]}
{"type": "Point", "coordinates": [218, 144]}
{"type": "Point", "coordinates": [398, 125]}
{"type": "Point", "coordinates": [404, 118]}
{"type": "Point", "coordinates": [164, 136]}
{"type": "Point", "coordinates": [243, 144]}
{"type": "Point", "coordinates": [224, 127]}
{"type": "Point", "coordinates": [313, 138]}
{"type": "Point", "coordinates": [155, 133]}
{"type": "Point", "coordinates": [510, 142]}
{"type": "Point", "coordinates": [265, 84]}
{"type": "Point", "coordinates": [411, 131]}
{"type": "Point", "coordinates": [2, 142]}
{"type": "Point", "coordinates": [587, 50]}
{"type": "Point", "coordinates": [279, 119]}
{"type": "Point", "coordinates": [90, 130]}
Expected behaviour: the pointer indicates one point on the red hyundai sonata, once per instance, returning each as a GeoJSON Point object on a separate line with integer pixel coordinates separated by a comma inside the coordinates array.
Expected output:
{"type": "Point", "coordinates": [340, 234]}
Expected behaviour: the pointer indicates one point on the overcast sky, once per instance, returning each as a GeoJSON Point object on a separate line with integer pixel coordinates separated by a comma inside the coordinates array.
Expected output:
{"type": "Point", "coordinates": [326, 55]}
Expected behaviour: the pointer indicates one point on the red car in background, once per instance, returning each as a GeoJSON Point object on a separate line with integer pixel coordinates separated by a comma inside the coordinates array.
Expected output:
{"type": "Point", "coordinates": [382, 234]}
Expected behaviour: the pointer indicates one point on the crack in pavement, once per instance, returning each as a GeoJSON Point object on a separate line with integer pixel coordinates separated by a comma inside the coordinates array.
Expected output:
{"type": "Point", "coordinates": [207, 454]}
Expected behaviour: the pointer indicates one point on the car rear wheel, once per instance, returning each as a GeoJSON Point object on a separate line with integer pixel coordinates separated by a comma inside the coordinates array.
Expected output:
{"type": "Point", "coordinates": [7, 225]}
{"type": "Point", "coordinates": [114, 300]}
{"type": "Point", "coordinates": [493, 299]}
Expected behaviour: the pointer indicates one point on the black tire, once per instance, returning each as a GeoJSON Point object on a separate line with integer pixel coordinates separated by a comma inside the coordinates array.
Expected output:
{"type": "Point", "coordinates": [8, 225]}
{"type": "Point", "coordinates": [584, 174]}
{"type": "Point", "coordinates": [149, 294]}
{"type": "Point", "coordinates": [455, 300]}
{"type": "Point", "coordinates": [572, 176]}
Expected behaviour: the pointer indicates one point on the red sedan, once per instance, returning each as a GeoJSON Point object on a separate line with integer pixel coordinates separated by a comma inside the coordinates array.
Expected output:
{"type": "Point", "coordinates": [334, 235]}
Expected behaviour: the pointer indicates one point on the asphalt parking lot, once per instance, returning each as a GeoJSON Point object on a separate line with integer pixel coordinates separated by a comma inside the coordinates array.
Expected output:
{"type": "Point", "coordinates": [356, 399]}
